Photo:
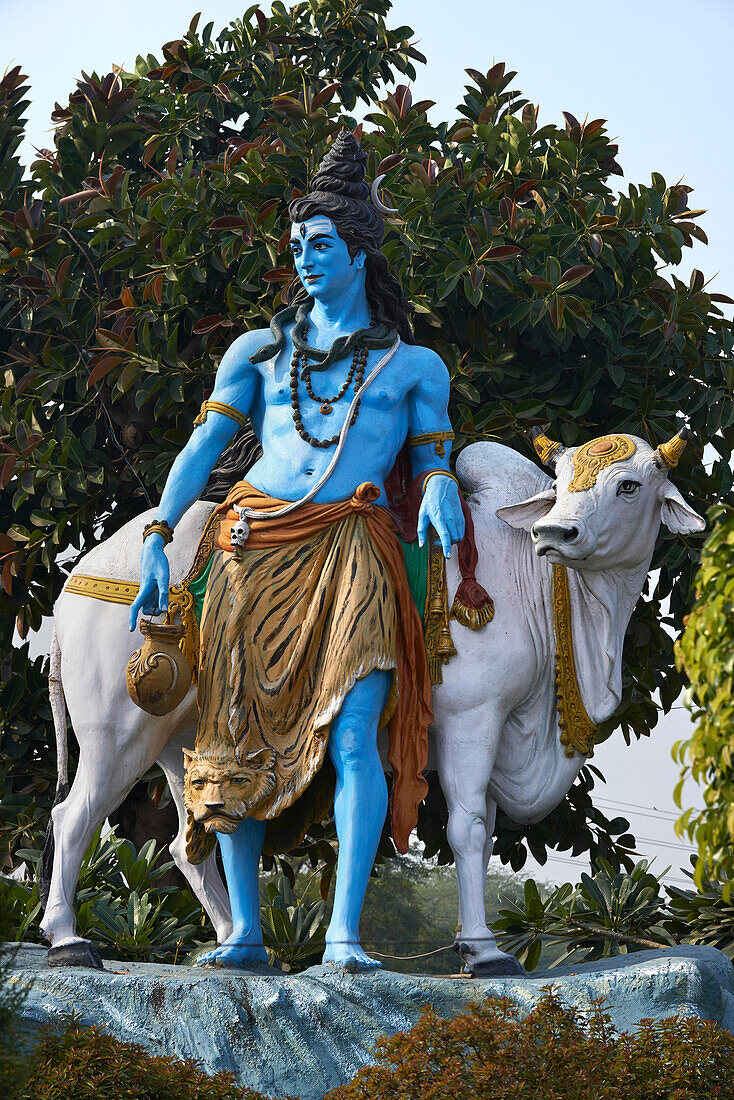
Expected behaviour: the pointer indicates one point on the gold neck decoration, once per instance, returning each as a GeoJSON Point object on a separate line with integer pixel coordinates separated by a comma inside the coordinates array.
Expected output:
{"type": "Point", "coordinates": [593, 457]}
{"type": "Point", "coordinates": [578, 732]}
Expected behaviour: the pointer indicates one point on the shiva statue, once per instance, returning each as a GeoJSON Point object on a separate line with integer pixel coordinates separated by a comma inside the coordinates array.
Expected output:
{"type": "Point", "coordinates": [310, 640]}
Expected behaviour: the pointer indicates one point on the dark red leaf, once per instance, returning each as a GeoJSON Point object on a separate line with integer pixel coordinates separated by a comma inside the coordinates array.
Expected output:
{"type": "Point", "coordinates": [724, 299]}
{"type": "Point", "coordinates": [669, 330]}
{"type": "Point", "coordinates": [575, 274]}
{"type": "Point", "coordinates": [261, 21]}
{"type": "Point", "coordinates": [228, 221]}
{"type": "Point", "coordinates": [524, 188]}
{"type": "Point", "coordinates": [389, 162]}
{"type": "Point", "coordinates": [103, 366]}
{"type": "Point", "coordinates": [207, 324]}
{"type": "Point", "coordinates": [501, 252]}
{"type": "Point", "coordinates": [595, 243]}
{"type": "Point", "coordinates": [324, 96]}
{"type": "Point", "coordinates": [278, 275]}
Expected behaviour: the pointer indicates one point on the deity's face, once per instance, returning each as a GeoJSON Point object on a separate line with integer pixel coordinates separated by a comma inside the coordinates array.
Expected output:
{"type": "Point", "coordinates": [322, 259]}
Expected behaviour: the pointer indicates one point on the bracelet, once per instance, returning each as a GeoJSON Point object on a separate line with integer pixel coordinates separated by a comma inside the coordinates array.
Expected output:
{"type": "Point", "coordinates": [441, 473]}
{"type": "Point", "coordinates": [159, 527]}
{"type": "Point", "coordinates": [225, 410]}
{"type": "Point", "coordinates": [439, 438]}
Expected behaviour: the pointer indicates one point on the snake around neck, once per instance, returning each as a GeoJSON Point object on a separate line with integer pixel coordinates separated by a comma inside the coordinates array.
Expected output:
{"type": "Point", "coordinates": [378, 336]}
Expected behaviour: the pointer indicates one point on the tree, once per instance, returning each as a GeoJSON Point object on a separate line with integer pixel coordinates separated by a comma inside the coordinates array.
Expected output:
{"type": "Point", "coordinates": [155, 232]}
{"type": "Point", "coordinates": [706, 652]}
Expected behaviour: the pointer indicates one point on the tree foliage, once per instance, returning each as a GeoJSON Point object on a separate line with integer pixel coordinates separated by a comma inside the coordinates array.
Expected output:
{"type": "Point", "coordinates": [155, 232]}
{"type": "Point", "coordinates": [706, 652]}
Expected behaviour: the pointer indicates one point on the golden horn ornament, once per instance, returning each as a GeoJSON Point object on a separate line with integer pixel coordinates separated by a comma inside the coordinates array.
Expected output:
{"type": "Point", "coordinates": [671, 451]}
{"type": "Point", "coordinates": [545, 448]}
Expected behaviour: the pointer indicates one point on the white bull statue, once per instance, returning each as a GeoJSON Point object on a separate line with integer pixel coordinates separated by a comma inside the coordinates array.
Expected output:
{"type": "Point", "coordinates": [514, 717]}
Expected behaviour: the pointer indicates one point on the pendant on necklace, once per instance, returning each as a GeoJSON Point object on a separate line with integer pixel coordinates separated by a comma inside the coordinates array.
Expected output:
{"type": "Point", "coordinates": [326, 408]}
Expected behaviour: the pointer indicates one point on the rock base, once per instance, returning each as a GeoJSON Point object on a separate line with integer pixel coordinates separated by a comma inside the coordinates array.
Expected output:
{"type": "Point", "coordinates": [302, 1034]}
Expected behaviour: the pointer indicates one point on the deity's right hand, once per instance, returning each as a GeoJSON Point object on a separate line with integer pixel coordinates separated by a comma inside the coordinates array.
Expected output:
{"type": "Point", "coordinates": [152, 596]}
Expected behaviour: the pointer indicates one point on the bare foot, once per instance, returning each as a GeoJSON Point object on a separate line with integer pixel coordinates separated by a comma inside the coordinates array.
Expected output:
{"type": "Point", "coordinates": [349, 955]}
{"type": "Point", "coordinates": [234, 953]}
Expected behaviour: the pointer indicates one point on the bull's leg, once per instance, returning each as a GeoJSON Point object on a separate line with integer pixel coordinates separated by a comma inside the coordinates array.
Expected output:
{"type": "Point", "coordinates": [465, 762]}
{"type": "Point", "coordinates": [204, 878]}
{"type": "Point", "coordinates": [92, 798]}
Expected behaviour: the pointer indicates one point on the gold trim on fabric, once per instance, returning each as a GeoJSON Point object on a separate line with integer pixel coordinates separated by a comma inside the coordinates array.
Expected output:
{"type": "Point", "coordinates": [436, 632]}
{"type": "Point", "coordinates": [578, 732]}
{"type": "Point", "coordinates": [593, 457]}
{"type": "Point", "coordinates": [439, 438]}
{"type": "Point", "coordinates": [225, 410]}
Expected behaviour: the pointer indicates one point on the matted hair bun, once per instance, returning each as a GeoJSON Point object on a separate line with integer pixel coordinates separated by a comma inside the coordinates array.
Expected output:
{"type": "Point", "coordinates": [343, 169]}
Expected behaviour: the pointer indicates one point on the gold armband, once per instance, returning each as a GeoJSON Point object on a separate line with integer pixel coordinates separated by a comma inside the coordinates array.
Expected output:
{"type": "Point", "coordinates": [439, 438]}
{"type": "Point", "coordinates": [441, 473]}
{"type": "Point", "coordinates": [225, 410]}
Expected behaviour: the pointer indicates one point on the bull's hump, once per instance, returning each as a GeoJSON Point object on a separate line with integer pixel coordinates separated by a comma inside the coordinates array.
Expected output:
{"type": "Point", "coordinates": [118, 557]}
{"type": "Point", "coordinates": [492, 467]}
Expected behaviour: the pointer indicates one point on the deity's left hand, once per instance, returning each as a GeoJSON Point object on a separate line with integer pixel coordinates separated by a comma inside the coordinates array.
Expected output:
{"type": "Point", "coordinates": [441, 507]}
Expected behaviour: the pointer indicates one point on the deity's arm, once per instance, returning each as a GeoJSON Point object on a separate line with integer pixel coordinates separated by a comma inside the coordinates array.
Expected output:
{"type": "Point", "coordinates": [429, 436]}
{"type": "Point", "coordinates": [429, 427]}
{"type": "Point", "coordinates": [235, 390]}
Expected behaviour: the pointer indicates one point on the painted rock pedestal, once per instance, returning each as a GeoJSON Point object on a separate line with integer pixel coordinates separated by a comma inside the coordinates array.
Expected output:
{"type": "Point", "coordinates": [304, 1034]}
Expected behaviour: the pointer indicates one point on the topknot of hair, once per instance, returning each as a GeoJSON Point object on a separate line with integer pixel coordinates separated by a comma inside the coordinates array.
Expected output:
{"type": "Point", "coordinates": [343, 169]}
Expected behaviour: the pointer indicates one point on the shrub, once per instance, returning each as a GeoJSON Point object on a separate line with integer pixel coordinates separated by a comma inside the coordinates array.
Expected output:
{"type": "Point", "coordinates": [555, 1053]}
{"type": "Point", "coordinates": [84, 1063]}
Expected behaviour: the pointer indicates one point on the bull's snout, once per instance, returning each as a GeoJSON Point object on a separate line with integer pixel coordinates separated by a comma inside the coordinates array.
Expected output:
{"type": "Point", "coordinates": [549, 536]}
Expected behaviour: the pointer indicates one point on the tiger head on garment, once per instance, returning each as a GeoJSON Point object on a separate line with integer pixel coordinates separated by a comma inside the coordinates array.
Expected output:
{"type": "Point", "coordinates": [218, 793]}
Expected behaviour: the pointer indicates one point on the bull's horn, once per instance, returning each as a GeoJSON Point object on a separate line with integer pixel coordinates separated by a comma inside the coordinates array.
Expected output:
{"type": "Point", "coordinates": [547, 450]}
{"type": "Point", "coordinates": [669, 453]}
{"type": "Point", "coordinates": [377, 201]}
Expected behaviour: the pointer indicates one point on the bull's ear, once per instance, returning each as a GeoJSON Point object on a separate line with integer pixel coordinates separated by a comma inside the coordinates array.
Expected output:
{"type": "Point", "coordinates": [528, 512]}
{"type": "Point", "coordinates": [678, 516]}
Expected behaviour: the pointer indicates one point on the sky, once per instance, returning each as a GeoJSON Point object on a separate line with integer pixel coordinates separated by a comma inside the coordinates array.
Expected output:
{"type": "Point", "coordinates": [658, 70]}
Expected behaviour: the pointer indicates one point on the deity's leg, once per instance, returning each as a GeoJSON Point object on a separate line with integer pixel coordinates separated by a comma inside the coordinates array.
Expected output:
{"type": "Point", "coordinates": [241, 858]}
{"type": "Point", "coordinates": [360, 805]}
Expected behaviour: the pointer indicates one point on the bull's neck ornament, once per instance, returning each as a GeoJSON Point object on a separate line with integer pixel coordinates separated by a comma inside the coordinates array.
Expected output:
{"type": "Point", "coordinates": [578, 732]}
{"type": "Point", "coordinates": [595, 456]}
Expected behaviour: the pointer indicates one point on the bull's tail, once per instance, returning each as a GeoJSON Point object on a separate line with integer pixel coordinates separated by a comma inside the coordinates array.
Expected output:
{"type": "Point", "coordinates": [58, 709]}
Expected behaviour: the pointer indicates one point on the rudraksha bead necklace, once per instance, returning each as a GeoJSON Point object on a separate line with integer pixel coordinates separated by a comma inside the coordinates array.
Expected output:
{"type": "Point", "coordinates": [356, 373]}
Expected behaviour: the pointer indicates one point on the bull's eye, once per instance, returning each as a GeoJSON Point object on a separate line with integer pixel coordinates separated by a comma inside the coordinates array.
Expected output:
{"type": "Point", "coordinates": [627, 488]}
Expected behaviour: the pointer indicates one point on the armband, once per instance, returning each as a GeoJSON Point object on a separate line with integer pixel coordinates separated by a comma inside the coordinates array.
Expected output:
{"type": "Point", "coordinates": [159, 527]}
{"type": "Point", "coordinates": [225, 410]}
{"type": "Point", "coordinates": [439, 438]}
{"type": "Point", "coordinates": [441, 473]}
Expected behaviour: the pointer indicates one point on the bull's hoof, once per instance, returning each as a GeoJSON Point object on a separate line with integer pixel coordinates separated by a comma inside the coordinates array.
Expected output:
{"type": "Point", "coordinates": [507, 967]}
{"type": "Point", "coordinates": [496, 966]}
{"type": "Point", "coordinates": [82, 953]}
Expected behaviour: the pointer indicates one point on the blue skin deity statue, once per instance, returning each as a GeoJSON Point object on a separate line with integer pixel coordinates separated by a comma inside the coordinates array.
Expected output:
{"type": "Point", "coordinates": [410, 396]}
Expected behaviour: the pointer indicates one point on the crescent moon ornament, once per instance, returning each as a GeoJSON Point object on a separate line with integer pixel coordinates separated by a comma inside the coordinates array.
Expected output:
{"type": "Point", "coordinates": [377, 201]}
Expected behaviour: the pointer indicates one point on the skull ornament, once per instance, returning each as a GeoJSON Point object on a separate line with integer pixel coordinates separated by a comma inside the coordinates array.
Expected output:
{"type": "Point", "coordinates": [240, 530]}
